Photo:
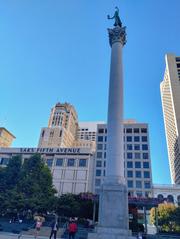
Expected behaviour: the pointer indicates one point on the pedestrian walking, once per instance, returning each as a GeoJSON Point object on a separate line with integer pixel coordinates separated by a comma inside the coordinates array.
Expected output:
{"type": "Point", "coordinates": [38, 225]}
{"type": "Point", "coordinates": [72, 229]}
{"type": "Point", "coordinates": [54, 229]}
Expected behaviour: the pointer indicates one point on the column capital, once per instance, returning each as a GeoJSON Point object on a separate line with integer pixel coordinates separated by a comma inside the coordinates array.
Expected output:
{"type": "Point", "coordinates": [117, 34]}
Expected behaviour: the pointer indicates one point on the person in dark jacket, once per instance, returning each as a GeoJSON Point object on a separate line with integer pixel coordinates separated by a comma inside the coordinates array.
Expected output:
{"type": "Point", "coordinates": [54, 229]}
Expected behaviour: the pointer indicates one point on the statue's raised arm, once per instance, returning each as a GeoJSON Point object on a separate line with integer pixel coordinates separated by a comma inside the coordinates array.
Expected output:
{"type": "Point", "coordinates": [116, 18]}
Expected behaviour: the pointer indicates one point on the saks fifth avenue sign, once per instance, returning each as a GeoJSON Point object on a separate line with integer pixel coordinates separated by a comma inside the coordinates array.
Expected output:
{"type": "Point", "coordinates": [51, 150]}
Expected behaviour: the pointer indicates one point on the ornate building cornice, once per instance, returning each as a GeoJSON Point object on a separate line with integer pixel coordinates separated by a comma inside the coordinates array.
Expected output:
{"type": "Point", "coordinates": [117, 34]}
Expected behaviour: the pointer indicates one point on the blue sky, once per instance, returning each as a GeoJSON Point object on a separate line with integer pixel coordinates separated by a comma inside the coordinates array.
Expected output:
{"type": "Point", "coordinates": [58, 50]}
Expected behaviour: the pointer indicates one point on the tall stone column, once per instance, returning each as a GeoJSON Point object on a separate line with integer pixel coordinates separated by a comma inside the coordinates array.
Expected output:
{"type": "Point", "coordinates": [115, 144]}
{"type": "Point", "coordinates": [113, 205]}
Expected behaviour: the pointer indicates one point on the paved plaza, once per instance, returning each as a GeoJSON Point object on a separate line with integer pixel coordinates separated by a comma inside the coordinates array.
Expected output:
{"type": "Point", "coordinates": [5, 235]}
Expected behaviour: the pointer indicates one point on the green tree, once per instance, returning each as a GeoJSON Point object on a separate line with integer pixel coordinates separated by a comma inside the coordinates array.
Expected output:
{"type": "Point", "coordinates": [36, 185]}
{"type": "Point", "coordinates": [26, 186]}
{"type": "Point", "coordinates": [168, 217]}
{"type": "Point", "coordinates": [68, 205]}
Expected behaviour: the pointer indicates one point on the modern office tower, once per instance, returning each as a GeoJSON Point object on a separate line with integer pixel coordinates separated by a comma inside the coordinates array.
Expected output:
{"type": "Point", "coordinates": [62, 127]}
{"type": "Point", "coordinates": [87, 130]}
{"type": "Point", "coordinates": [136, 154]}
{"type": "Point", "coordinates": [170, 96]}
{"type": "Point", "coordinates": [6, 137]}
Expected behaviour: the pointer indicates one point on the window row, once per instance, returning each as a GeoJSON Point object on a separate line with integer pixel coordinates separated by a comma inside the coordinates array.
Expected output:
{"type": "Point", "coordinates": [100, 155]}
{"type": "Point", "coordinates": [130, 184]}
{"type": "Point", "coordinates": [100, 173]}
{"type": "Point", "coordinates": [137, 156]}
{"type": "Point", "coordinates": [99, 164]}
{"type": "Point", "coordinates": [138, 184]}
{"type": "Point", "coordinates": [128, 147]}
{"type": "Point", "coordinates": [138, 164]}
{"type": "Point", "coordinates": [67, 162]}
{"type": "Point", "coordinates": [138, 174]}
{"type": "Point", "coordinates": [137, 147]}
{"type": "Point", "coordinates": [128, 138]}
{"type": "Point", "coordinates": [127, 130]}
{"type": "Point", "coordinates": [136, 138]}
{"type": "Point", "coordinates": [135, 130]}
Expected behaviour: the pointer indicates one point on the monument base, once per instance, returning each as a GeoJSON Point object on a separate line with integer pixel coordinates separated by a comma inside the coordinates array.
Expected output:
{"type": "Point", "coordinates": [113, 213]}
{"type": "Point", "coordinates": [109, 233]}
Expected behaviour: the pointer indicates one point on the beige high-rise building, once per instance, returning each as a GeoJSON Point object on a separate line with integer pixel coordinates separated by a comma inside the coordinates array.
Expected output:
{"type": "Point", "coordinates": [62, 127]}
{"type": "Point", "coordinates": [170, 96]}
{"type": "Point", "coordinates": [6, 137]}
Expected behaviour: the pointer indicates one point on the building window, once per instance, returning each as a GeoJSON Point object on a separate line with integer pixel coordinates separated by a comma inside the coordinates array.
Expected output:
{"type": "Point", "coordinates": [4, 161]}
{"type": "Point", "coordinates": [145, 164]}
{"type": "Point", "coordinates": [144, 147]}
{"type": "Point", "coordinates": [143, 130]}
{"type": "Point", "coordinates": [105, 146]}
{"type": "Point", "coordinates": [138, 174]}
{"type": "Point", "coordinates": [129, 146]}
{"type": "Point", "coordinates": [99, 146]}
{"type": "Point", "coordinates": [82, 162]}
{"type": "Point", "coordinates": [104, 163]}
{"type": "Point", "coordinates": [130, 174]}
{"type": "Point", "coordinates": [97, 182]}
{"type": "Point", "coordinates": [105, 138]}
{"type": "Point", "coordinates": [170, 198]}
{"type": "Point", "coordinates": [160, 197]}
{"type": "Point", "coordinates": [130, 183]}
{"type": "Point", "coordinates": [146, 174]}
{"type": "Point", "coordinates": [145, 155]}
{"type": "Point", "coordinates": [137, 147]}
{"type": "Point", "coordinates": [147, 194]}
{"type": "Point", "coordinates": [136, 138]}
{"type": "Point", "coordinates": [129, 164]}
{"type": "Point", "coordinates": [100, 139]}
{"type": "Point", "coordinates": [129, 155]}
{"type": "Point", "coordinates": [137, 164]}
{"type": "Point", "coordinates": [42, 134]}
{"type": "Point", "coordinates": [147, 185]}
{"type": "Point", "coordinates": [98, 164]}
{"type": "Point", "coordinates": [130, 193]}
{"type": "Point", "coordinates": [104, 173]}
{"type": "Point", "coordinates": [138, 184]}
{"type": "Point", "coordinates": [104, 155]}
{"type": "Point", "coordinates": [101, 131]}
{"type": "Point", "coordinates": [136, 130]}
{"type": "Point", "coordinates": [139, 194]}
{"type": "Point", "coordinates": [99, 154]}
{"type": "Point", "coordinates": [129, 139]}
{"type": "Point", "coordinates": [59, 162]}
{"type": "Point", "coordinates": [49, 162]}
{"type": "Point", "coordinates": [137, 156]}
{"type": "Point", "coordinates": [98, 172]}
{"type": "Point", "coordinates": [144, 138]}
{"type": "Point", "coordinates": [129, 131]}
{"type": "Point", "coordinates": [71, 162]}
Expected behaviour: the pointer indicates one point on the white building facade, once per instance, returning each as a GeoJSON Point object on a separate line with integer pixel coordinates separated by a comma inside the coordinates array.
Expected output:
{"type": "Point", "coordinates": [170, 96]}
{"type": "Point", "coordinates": [167, 192]}
{"type": "Point", "coordinates": [136, 154]}
{"type": "Point", "coordinates": [72, 168]}
{"type": "Point", "coordinates": [87, 130]}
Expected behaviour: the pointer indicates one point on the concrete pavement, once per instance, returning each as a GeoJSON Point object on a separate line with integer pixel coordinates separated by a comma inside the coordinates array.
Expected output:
{"type": "Point", "coordinates": [4, 235]}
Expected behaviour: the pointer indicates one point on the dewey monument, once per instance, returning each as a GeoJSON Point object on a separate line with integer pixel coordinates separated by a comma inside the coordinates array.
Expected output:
{"type": "Point", "coordinates": [113, 204]}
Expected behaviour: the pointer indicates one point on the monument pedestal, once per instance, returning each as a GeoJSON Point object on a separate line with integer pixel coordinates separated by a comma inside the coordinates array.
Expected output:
{"type": "Point", "coordinates": [113, 208]}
